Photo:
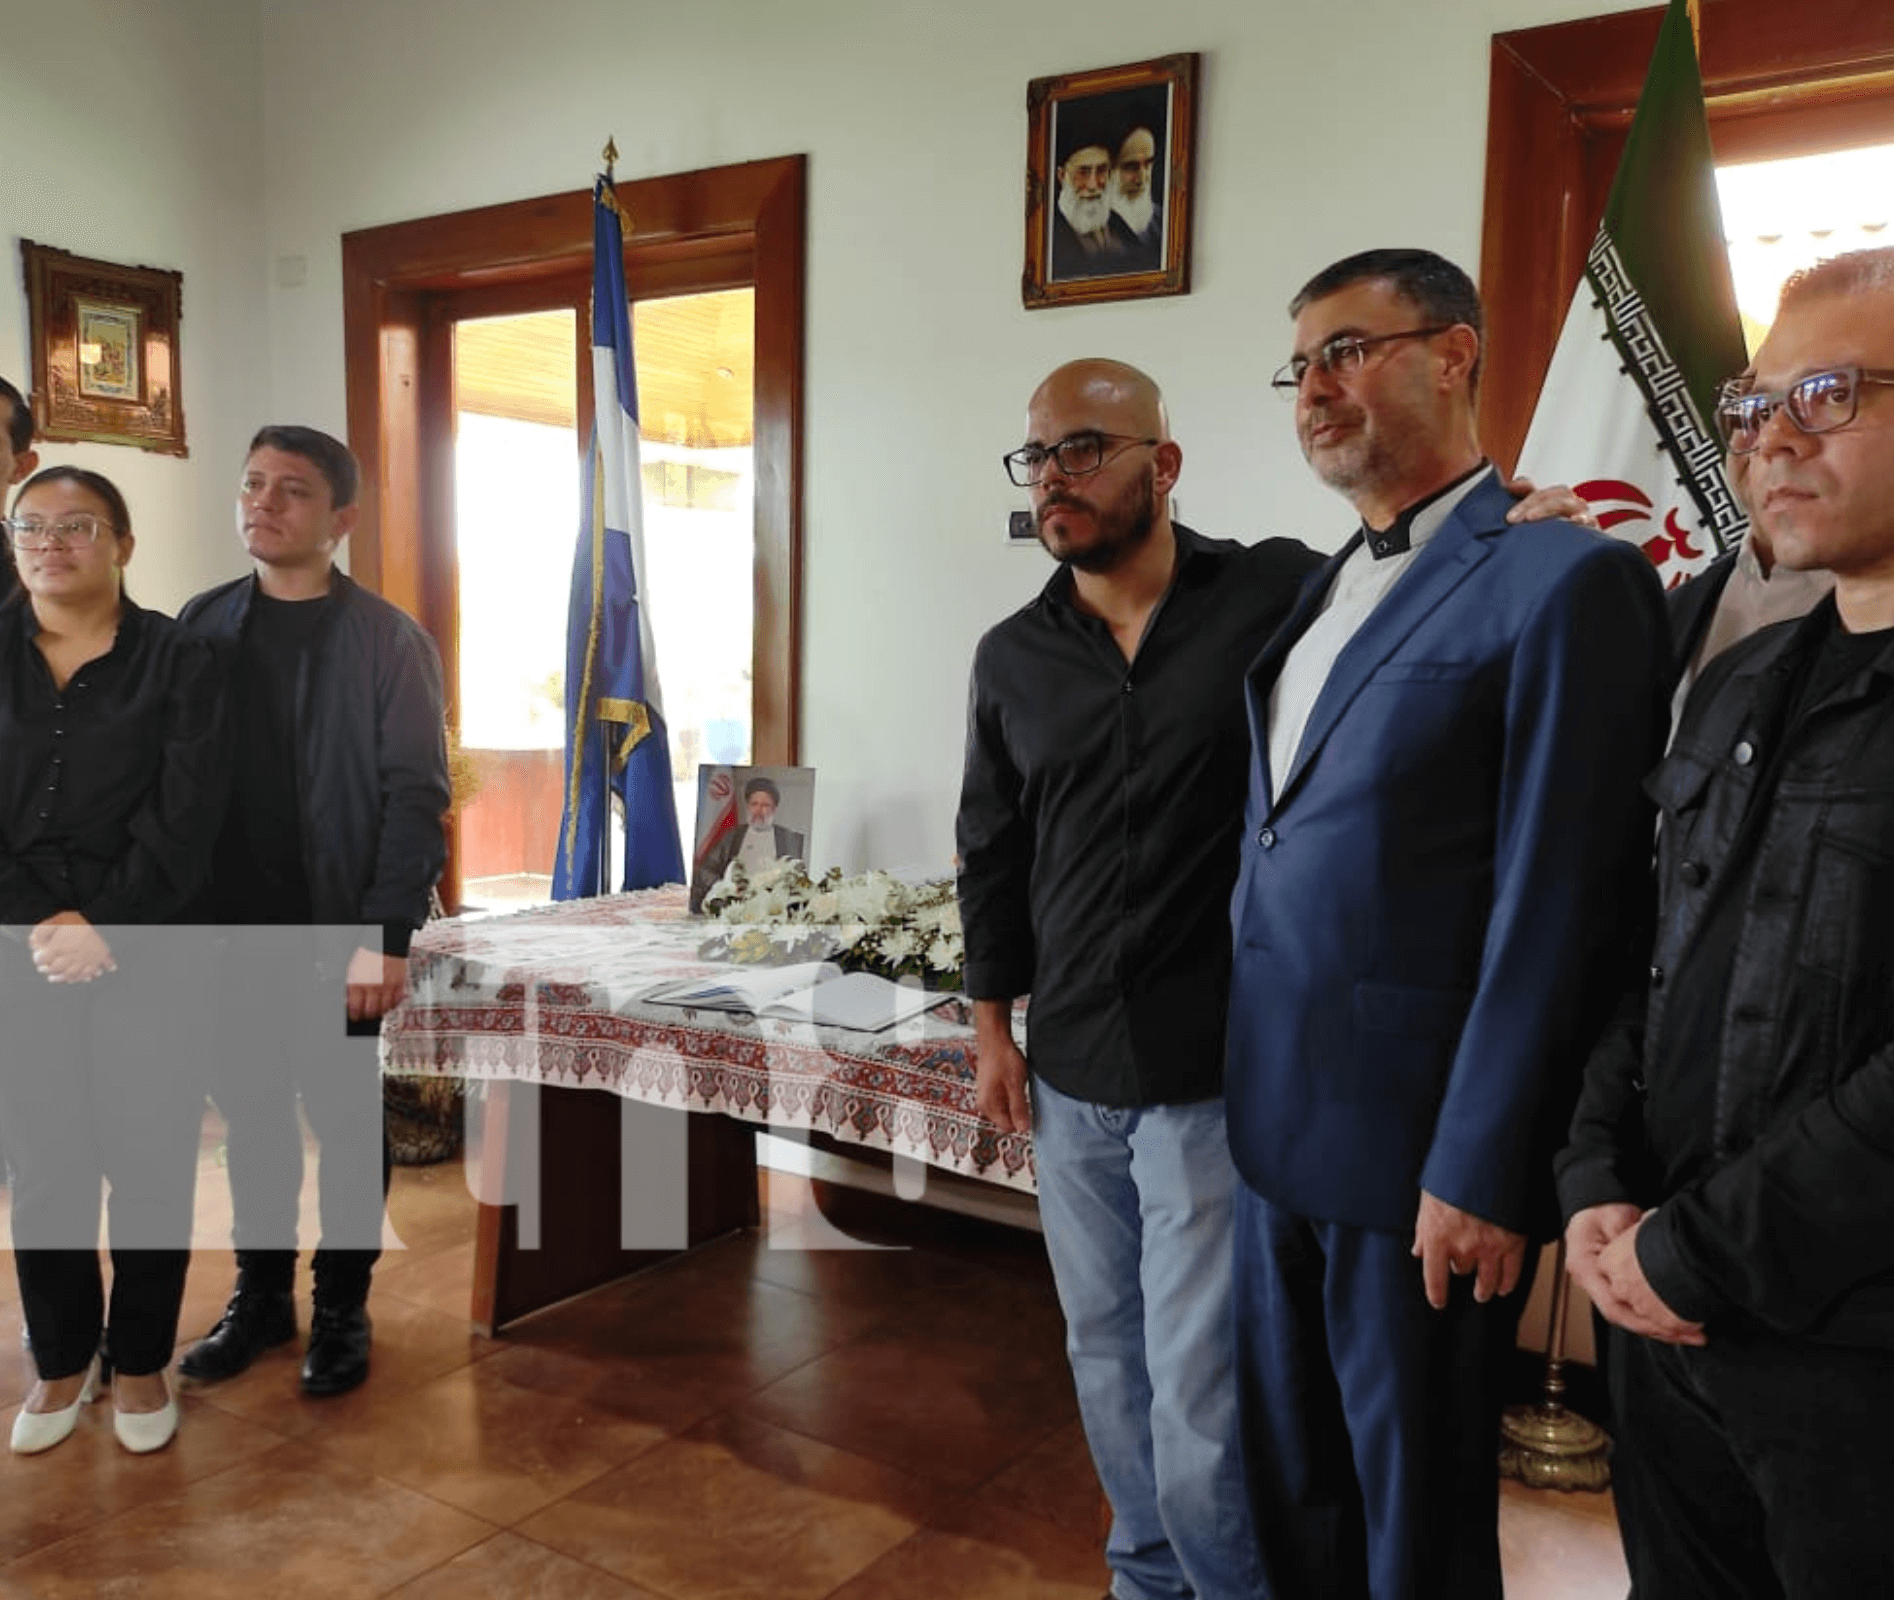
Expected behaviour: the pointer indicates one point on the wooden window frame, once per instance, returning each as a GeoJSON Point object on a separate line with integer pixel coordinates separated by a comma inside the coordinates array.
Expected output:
{"type": "Point", "coordinates": [1778, 81]}
{"type": "Point", "coordinates": [724, 227]}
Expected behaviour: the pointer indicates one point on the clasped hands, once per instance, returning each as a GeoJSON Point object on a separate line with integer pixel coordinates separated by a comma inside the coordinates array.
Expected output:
{"type": "Point", "coordinates": [68, 949]}
{"type": "Point", "coordinates": [1601, 1255]}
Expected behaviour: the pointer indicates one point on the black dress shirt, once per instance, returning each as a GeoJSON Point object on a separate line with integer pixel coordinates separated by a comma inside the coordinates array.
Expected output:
{"type": "Point", "coordinates": [1099, 817]}
{"type": "Point", "coordinates": [111, 788]}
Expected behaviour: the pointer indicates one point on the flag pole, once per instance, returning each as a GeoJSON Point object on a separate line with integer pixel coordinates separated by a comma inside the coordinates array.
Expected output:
{"type": "Point", "coordinates": [611, 714]}
{"type": "Point", "coordinates": [612, 697]}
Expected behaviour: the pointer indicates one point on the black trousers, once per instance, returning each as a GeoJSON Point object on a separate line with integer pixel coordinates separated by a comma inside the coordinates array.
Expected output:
{"type": "Point", "coordinates": [102, 1086]}
{"type": "Point", "coordinates": [284, 1038]}
{"type": "Point", "coordinates": [1756, 1468]}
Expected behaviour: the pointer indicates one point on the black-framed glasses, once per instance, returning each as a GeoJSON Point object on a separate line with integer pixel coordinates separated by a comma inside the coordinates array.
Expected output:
{"type": "Point", "coordinates": [1819, 403]}
{"type": "Point", "coordinates": [1077, 455]}
{"type": "Point", "coordinates": [36, 533]}
{"type": "Point", "coordinates": [1344, 354]}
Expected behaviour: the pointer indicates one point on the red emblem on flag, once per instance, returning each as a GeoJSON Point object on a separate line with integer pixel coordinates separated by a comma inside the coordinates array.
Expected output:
{"type": "Point", "coordinates": [1615, 503]}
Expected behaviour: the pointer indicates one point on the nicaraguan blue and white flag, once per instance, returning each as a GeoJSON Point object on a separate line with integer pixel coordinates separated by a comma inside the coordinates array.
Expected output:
{"type": "Point", "coordinates": [614, 712]}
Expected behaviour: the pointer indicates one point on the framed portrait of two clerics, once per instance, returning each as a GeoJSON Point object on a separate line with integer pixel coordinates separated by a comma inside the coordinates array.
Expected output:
{"type": "Point", "coordinates": [1108, 182]}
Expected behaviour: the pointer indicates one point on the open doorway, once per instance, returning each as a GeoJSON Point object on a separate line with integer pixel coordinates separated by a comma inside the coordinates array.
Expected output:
{"type": "Point", "coordinates": [1781, 216]}
{"type": "Point", "coordinates": [730, 239]}
{"type": "Point", "coordinates": [516, 448]}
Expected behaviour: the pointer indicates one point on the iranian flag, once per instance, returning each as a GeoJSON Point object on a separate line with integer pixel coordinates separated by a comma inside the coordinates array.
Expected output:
{"type": "Point", "coordinates": [1625, 413]}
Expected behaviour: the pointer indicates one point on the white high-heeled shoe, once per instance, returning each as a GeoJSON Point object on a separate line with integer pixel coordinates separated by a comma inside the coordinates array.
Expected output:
{"type": "Point", "coordinates": [34, 1431]}
{"type": "Point", "coordinates": [142, 1432]}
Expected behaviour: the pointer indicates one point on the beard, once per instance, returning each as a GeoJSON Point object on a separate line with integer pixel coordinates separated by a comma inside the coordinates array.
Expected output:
{"type": "Point", "coordinates": [1362, 461]}
{"type": "Point", "coordinates": [1383, 445]}
{"type": "Point", "coordinates": [1138, 210]}
{"type": "Point", "coordinates": [1122, 527]}
{"type": "Point", "coordinates": [1086, 215]}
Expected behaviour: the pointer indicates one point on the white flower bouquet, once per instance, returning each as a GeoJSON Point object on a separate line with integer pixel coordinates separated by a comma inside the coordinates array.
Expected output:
{"type": "Point", "coordinates": [872, 922]}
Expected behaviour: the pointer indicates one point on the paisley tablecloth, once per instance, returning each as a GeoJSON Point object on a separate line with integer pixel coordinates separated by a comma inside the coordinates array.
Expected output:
{"type": "Point", "coordinates": [552, 995]}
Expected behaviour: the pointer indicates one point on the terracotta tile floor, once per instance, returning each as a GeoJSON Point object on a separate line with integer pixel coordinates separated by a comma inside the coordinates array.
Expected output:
{"type": "Point", "coordinates": [755, 1421]}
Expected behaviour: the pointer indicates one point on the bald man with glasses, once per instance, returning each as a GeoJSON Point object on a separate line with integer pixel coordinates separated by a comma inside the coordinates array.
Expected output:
{"type": "Point", "coordinates": [1105, 772]}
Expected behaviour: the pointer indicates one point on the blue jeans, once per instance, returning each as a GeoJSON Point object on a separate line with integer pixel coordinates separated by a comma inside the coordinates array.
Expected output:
{"type": "Point", "coordinates": [1136, 1205]}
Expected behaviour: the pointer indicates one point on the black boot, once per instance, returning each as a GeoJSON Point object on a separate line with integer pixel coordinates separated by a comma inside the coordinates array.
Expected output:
{"type": "Point", "coordinates": [260, 1316]}
{"type": "Point", "coordinates": [338, 1345]}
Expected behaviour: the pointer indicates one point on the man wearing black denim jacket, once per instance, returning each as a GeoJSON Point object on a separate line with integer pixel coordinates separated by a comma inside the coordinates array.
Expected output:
{"type": "Point", "coordinates": [325, 867]}
{"type": "Point", "coordinates": [1729, 1185]}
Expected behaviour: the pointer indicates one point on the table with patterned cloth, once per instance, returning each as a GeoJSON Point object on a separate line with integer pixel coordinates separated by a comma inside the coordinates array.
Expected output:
{"type": "Point", "coordinates": [551, 997]}
{"type": "Point", "coordinates": [548, 996]}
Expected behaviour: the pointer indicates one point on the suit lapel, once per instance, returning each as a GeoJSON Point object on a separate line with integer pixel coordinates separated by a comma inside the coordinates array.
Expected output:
{"type": "Point", "coordinates": [1459, 545]}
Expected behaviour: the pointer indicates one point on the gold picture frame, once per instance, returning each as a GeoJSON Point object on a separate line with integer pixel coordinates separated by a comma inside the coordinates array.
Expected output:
{"type": "Point", "coordinates": [105, 351]}
{"type": "Point", "coordinates": [1114, 148]}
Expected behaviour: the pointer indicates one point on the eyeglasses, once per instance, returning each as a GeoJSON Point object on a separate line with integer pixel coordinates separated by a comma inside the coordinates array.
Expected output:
{"type": "Point", "coordinates": [36, 533]}
{"type": "Point", "coordinates": [1077, 455]}
{"type": "Point", "coordinates": [1344, 354]}
{"type": "Point", "coordinates": [1819, 403]}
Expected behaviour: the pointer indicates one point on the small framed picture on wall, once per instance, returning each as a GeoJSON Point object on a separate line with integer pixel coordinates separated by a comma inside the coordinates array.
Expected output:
{"type": "Point", "coordinates": [105, 350]}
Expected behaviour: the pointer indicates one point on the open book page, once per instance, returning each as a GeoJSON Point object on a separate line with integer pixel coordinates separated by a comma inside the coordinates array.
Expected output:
{"type": "Point", "coordinates": [750, 989]}
{"type": "Point", "coordinates": [810, 991]}
{"type": "Point", "coordinates": [858, 1000]}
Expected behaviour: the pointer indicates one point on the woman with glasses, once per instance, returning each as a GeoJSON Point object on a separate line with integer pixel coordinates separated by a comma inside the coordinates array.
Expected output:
{"type": "Point", "coordinates": [113, 775]}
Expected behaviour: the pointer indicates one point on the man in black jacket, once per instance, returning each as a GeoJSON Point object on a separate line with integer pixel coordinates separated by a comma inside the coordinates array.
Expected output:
{"type": "Point", "coordinates": [1729, 1186]}
{"type": "Point", "coordinates": [326, 864]}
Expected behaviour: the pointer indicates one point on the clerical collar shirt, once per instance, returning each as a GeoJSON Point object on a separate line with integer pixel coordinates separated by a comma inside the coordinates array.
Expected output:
{"type": "Point", "coordinates": [1099, 819]}
{"type": "Point", "coordinates": [1362, 584]}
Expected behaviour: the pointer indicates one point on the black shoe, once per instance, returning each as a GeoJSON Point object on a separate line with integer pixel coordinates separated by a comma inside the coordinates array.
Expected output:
{"type": "Point", "coordinates": [254, 1321]}
{"type": "Point", "coordinates": [338, 1349]}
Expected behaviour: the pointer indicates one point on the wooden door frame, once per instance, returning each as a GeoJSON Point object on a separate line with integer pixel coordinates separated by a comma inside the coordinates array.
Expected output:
{"type": "Point", "coordinates": [723, 227]}
{"type": "Point", "coordinates": [1778, 81]}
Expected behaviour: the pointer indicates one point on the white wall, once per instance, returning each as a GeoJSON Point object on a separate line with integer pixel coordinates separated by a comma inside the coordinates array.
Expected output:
{"type": "Point", "coordinates": [232, 137]}
{"type": "Point", "coordinates": [132, 136]}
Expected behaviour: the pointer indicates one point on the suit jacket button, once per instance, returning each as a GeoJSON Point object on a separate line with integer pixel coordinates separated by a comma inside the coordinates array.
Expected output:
{"type": "Point", "coordinates": [1657, 977]}
{"type": "Point", "coordinates": [1744, 753]}
{"type": "Point", "coordinates": [1694, 873]}
{"type": "Point", "coordinates": [1267, 838]}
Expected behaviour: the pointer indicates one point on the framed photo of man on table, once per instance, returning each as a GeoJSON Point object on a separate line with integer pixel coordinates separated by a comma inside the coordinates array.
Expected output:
{"type": "Point", "coordinates": [756, 815]}
{"type": "Point", "coordinates": [1108, 183]}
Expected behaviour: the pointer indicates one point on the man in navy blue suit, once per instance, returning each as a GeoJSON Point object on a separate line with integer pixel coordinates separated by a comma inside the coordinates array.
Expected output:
{"type": "Point", "coordinates": [1444, 850]}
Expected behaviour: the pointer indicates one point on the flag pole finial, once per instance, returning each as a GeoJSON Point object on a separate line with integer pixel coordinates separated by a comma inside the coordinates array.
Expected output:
{"type": "Point", "coordinates": [610, 157]}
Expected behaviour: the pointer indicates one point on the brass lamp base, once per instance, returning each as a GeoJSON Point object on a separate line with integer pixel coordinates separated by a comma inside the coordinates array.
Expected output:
{"type": "Point", "coordinates": [1546, 1446]}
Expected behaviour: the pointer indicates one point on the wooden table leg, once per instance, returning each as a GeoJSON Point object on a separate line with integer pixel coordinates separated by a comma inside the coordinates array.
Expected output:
{"type": "Point", "coordinates": [554, 1223]}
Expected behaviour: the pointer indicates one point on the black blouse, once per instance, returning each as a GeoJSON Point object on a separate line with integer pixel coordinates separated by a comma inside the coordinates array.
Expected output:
{"type": "Point", "coordinates": [112, 789]}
